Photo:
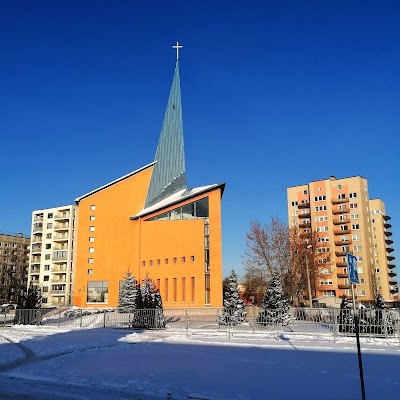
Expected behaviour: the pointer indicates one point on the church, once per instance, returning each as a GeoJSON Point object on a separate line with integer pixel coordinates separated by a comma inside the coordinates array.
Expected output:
{"type": "Point", "coordinates": [151, 223]}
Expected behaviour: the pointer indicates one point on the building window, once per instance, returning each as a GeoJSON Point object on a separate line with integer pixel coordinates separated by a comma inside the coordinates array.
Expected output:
{"type": "Point", "coordinates": [143, 263]}
{"type": "Point", "coordinates": [295, 213]}
{"type": "Point", "coordinates": [360, 269]}
{"type": "Point", "coordinates": [175, 260]}
{"type": "Point", "coordinates": [338, 187]}
{"type": "Point", "coordinates": [341, 196]}
{"type": "Point", "coordinates": [183, 259]}
{"type": "Point", "coordinates": [294, 203]}
{"type": "Point", "coordinates": [174, 289]}
{"type": "Point", "coordinates": [48, 246]}
{"type": "Point", "coordinates": [360, 292]}
{"type": "Point", "coordinates": [50, 215]}
{"type": "Point", "coordinates": [97, 292]}
{"type": "Point", "coordinates": [45, 289]}
{"type": "Point", "coordinates": [47, 257]}
{"type": "Point", "coordinates": [49, 225]}
{"type": "Point", "coordinates": [151, 262]}
{"type": "Point", "coordinates": [353, 195]}
{"type": "Point", "coordinates": [158, 284]}
{"type": "Point", "coordinates": [304, 191]}
{"type": "Point", "coordinates": [47, 267]}
{"type": "Point", "coordinates": [193, 288]}
{"type": "Point", "coordinates": [91, 249]}
{"type": "Point", "coordinates": [183, 290]}
{"type": "Point", "coordinates": [90, 260]}
{"type": "Point", "coordinates": [166, 289]}
{"type": "Point", "coordinates": [207, 287]}
{"type": "Point", "coordinates": [354, 216]}
{"type": "Point", "coordinates": [166, 261]}
{"type": "Point", "coordinates": [357, 248]}
{"type": "Point", "coordinates": [92, 218]}
{"type": "Point", "coordinates": [355, 226]}
{"type": "Point", "coordinates": [356, 238]}
{"type": "Point", "coordinates": [353, 205]}
{"type": "Point", "coordinates": [90, 271]}
{"type": "Point", "coordinates": [48, 235]}
{"type": "Point", "coordinates": [46, 278]}
{"type": "Point", "coordinates": [91, 239]}
{"type": "Point", "coordinates": [192, 258]}
{"type": "Point", "coordinates": [91, 228]}
{"type": "Point", "coordinates": [92, 207]}
{"type": "Point", "coordinates": [158, 261]}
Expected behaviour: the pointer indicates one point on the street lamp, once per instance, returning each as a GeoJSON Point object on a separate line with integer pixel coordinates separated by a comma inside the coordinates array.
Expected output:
{"type": "Point", "coordinates": [308, 278]}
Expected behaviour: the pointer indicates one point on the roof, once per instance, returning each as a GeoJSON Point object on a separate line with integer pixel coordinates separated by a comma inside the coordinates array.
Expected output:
{"type": "Point", "coordinates": [78, 199]}
{"type": "Point", "coordinates": [178, 197]}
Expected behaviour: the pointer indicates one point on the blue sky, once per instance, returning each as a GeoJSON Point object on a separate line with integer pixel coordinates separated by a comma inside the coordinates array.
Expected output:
{"type": "Point", "coordinates": [274, 94]}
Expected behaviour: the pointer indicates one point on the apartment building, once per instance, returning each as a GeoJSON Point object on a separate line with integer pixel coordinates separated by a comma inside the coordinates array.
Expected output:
{"type": "Point", "coordinates": [51, 261]}
{"type": "Point", "coordinates": [14, 261]}
{"type": "Point", "coordinates": [347, 221]}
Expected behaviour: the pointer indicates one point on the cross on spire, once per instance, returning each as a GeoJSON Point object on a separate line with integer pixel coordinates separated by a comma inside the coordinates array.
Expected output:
{"type": "Point", "coordinates": [177, 47]}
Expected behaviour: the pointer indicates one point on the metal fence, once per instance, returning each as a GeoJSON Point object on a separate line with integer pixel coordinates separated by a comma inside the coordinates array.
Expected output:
{"type": "Point", "coordinates": [296, 321]}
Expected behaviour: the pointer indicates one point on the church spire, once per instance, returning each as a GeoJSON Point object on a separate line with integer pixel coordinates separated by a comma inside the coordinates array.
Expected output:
{"type": "Point", "coordinates": [169, 175]}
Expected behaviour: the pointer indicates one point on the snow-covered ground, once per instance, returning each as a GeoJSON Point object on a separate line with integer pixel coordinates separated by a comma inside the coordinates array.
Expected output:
{"type": "Point", "coordinates": [57, 363]}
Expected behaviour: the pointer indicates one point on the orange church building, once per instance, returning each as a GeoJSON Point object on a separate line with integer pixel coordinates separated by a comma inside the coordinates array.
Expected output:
{"type": "Point", "coordinates": [150, 222]}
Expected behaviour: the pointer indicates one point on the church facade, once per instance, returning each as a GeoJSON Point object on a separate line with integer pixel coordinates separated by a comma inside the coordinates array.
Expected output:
{"type": "Point", "coordinates": [150, 223]}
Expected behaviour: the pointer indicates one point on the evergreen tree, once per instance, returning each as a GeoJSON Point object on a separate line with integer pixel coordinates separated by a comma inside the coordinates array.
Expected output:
{"type": "Point", "coordinates": [159, 307]}
{"type": "Point", "coordinates": [139, 298]}
{"type": "Point", "coordinates": [275, 305]}
{"type": "Point", "coordinates": [346, 320]}
{"type": "Point", "coordinates": [147, 289]}
{"type": "Point", "coordinates": [128, 294]}
{"type": "Point", "coordinates": [27, 304]}
{"type": "Point", "coordinates": [234, 309]}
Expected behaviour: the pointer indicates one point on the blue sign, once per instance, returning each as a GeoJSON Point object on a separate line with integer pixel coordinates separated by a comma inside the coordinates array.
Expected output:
{"type": "Point", "coordinates": [352, 263]}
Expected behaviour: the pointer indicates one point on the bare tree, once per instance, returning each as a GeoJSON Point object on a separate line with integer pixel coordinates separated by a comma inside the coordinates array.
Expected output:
{"type": "Point", "coordinates": [267, 252]}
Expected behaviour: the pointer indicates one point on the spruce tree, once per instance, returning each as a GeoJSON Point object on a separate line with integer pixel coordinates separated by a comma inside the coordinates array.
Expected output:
{"type": "Point", "coordinates": [147, 289]}
{"type": "Point", "coordinates": [234, 309]}
{"type": "Point", "coordinates": [275, 305]}
{"type": "Point", "coordinates": [127, 294]}
{"type": "Point", "coordinates": [159, 307]}
{"type": "Point", "coordinates": [346, 320]}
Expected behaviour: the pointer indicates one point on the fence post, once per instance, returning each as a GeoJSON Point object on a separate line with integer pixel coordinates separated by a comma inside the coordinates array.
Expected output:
{"type": "Point", "coordinates": [254, 319]}
{"type": "Point", "coordinates": [334, 327]}
{"type": "Point", "coordinates": [277, 326]}
{"type": "Point", "coordinates": [80, 322]}
{"type": "Point", "coordinates": [229, 327]}
{"type": "Point", "coordinates": [104, 318]}
{"type": "Point", "coordinates": [59, 318]}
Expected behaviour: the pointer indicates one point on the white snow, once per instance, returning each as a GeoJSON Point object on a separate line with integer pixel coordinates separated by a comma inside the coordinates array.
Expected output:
{"type": "Point", "coordinates": [58, 363]}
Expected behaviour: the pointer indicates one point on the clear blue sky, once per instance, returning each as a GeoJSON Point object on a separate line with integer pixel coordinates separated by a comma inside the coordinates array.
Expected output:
{"type": "Point", "coordinates": [274, 94]}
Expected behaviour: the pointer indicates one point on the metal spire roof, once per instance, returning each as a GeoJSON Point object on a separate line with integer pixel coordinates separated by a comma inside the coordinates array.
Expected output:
{"type": "Point", "coordinates": [169, 175]}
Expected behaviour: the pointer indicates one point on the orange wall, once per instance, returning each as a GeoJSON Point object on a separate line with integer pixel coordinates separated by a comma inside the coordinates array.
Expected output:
{"type": "Point", "coordinates": [121, 243]}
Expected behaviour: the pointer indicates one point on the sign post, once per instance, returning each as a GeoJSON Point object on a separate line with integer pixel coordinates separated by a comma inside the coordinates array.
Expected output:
{"type": "Point", "coordinates": [353, 273]}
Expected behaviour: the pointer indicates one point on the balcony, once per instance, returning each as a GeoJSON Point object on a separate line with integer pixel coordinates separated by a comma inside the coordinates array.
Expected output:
{"type": "Point", "coordinates": [340, 253]}
{"type": "Point", "coordinates": [388, 233]}
{"type": "Point", "coordinates": [58, 292]}
{"type": "Point", "coordinates": [389, 249]}
{"type": "Point", "coordinates": [392, 274]}
{"type": "Point", "coordinates": [36, 239]}
{"type": "Point", "coordinates": [391, 266]}
{"type": "Point", "coordinates": [342, 242]}
{"type": "Point", "coordinates": [305, 225]}
{"type": "Point", "coordinates": [341, 231]}
{"type": "Point", "coordinates": [62, 216]}
{"type": "Point", "coordinates": [36, 260]}
{"type": "Point", "coordinates": [305, 235]}
{"type": "Point", "coordinates": [60, 270]}
{"type": "Point", "coordinates": [337, 210]}
{"type": "Point", "coordinates": [304, 205]}
{"type": "Point", "coordinates": [386, 217]}
{"type": "Point", "coordinates": [344, 286]}
{"type": "Point", "coordinates": [60, 281]}
{"type": "Point", "coordinates": [342, 275]}
{"type": "Point", "coordinates": [340, 201]}
{"type": "Point", "coordinates": [305, 215]}
{"type": "Point", "coordinates": [36, 248]}
{"type": "Point", "coordinates": [59, 256]}
{"type": "Point", "coordinates": [34, 271]}
{"type": "Point", "coordinates": [341, 264]}
{"type": "Point", "coordinates": [338, 221]}
{"type": "Point", "coordinates": [38, 218]}
{"type": "Point", "coordinates": [389, 242]}
{"type": "Point", "coordinates": [61, 237]}
{"type": "Point", "coordinates": [393, 283]}
{"type": "Point", "coordinates": [37, 228]}
{"type": "Point", "coordinates": [61, 227]}
{"type": "Point", "coordinates": [390, 258]}
{"type": "Point", "coordinates": [387, 225]}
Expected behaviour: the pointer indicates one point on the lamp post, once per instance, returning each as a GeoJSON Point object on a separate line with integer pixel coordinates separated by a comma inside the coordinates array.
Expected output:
{"type": "Point", "coordinates": [308, 278]}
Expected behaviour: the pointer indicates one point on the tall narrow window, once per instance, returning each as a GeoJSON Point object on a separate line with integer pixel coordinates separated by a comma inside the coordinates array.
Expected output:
{"type": "Point", "coordinates": [174, 290]}
{"type": "Point", "coordinates": [208, 300]}
{"type": "Point", "coordinates": [166, 290]}
{"type": "Point", "coordinates": [193, 285]}
{"type": "Point", "coordinates": [183, 289]}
